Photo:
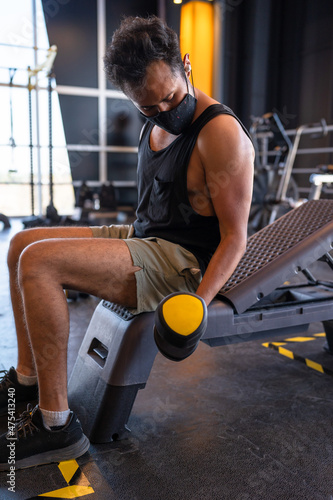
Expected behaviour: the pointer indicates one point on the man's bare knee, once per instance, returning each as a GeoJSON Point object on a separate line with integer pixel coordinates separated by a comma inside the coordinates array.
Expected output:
{"type": "Point", "coordinates": [17, 244]}
{"type": "Point", "coordinates": [22, 240]}
{"type": "Point", "coordinates": [29, 264]}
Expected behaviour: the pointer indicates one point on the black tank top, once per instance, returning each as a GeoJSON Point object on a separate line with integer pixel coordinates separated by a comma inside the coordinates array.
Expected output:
{"type": "Point", "coordinates": [164, 209]}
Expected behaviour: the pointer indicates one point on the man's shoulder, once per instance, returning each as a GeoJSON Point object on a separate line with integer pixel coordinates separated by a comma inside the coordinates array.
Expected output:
{"type": "Point", "coordinates": [221, 121]}
{"type": "Point", "coordinates": [221, 124]}
{"type": "Point", "coordinates": [209, 109]}
{"type": "Point", "coordinates": [224, 134]}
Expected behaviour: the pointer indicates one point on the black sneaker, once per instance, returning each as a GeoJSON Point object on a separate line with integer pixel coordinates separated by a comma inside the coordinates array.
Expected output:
{"type": "Point", "coordinates": [17, 392]}
{"type": "Point", "coordinates": [29, 443]}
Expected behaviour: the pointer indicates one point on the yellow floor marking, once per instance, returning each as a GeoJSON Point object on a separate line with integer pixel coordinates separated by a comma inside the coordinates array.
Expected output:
{"type": "Point", "coordinates": [267, 344]}
{"type": "Point", "coordinates": [320, 335]}
{"type": "Point", "coordinates": [315, 366]}
{"type": "Point", "coordinates": [68, 469]}
{"type": "Point", "coordinates": [299, 339]}
{"type": "Point", "coordinates": [69, 492]}
{"type": "Point", "coordinates": [285, 352]}
{"type": "Point", "coordinates": [289, 354]}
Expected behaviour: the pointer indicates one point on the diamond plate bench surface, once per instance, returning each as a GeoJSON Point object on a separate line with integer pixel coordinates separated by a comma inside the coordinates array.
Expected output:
{"type": "Point", "coordinates": [275, 253]}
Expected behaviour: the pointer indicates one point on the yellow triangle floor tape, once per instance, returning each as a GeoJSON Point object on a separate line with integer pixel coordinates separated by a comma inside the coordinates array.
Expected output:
{"type": "Point", "coordinates": [69, 492]}
{"type": "Point", "coordinates": [68, 469]}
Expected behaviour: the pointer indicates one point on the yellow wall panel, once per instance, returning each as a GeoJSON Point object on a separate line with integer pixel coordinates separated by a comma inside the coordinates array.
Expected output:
{"type": "Point", "coordinates": [197, 39]}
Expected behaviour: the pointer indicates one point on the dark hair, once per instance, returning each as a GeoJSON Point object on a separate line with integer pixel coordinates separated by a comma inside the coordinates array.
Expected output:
{"type": "Point", "coordinates": [135, 45]}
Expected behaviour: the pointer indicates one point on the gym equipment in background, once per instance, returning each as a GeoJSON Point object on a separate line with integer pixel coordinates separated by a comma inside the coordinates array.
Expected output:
{"type": "Point", "coordinates": [52, 217]}
{"type": "Point", "coordinates": [282, 191]}
{"type": "Point", "coordinates": [275, 190]}
{"type": "Point", "coordinates": [31, 146]}
{"type": "Point", "coordinates": [320, 180]}
{"type": "Point", "coordinates": [266, 176]}
{"type": "Point", "coordinates": [12, 72]}
{"type": "Point", "coordinates": [5, 221]}
{"type": "Point", "coordinates": [98, 203]}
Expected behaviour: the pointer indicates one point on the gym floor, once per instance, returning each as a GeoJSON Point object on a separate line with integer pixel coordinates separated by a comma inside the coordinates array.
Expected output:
{"type": "Point", "coordinates": [239, 422]}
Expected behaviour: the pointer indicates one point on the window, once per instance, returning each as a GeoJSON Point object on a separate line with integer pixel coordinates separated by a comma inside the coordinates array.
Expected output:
{"type": "Point", "coordinates": [24, 163]}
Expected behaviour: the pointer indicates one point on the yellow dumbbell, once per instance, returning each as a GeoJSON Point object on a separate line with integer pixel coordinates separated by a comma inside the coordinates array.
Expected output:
{"type": "Point", "coordinates": [180, 322]}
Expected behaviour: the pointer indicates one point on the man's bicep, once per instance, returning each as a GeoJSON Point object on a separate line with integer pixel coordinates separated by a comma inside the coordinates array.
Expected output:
{"type": "Point", "coordinates": [232, 201]}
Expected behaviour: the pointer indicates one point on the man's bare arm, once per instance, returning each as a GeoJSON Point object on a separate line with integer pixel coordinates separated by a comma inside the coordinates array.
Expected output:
{"type": "Point", "coordinates": [227, 157]}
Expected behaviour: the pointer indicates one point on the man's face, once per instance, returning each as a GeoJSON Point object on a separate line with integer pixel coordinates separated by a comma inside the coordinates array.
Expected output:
{"type": "Point", "coordinates": [162, 90]}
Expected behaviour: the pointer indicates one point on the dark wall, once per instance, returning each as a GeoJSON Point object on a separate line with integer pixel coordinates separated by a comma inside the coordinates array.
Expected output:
{"type": "Point", "coordinates": [304, 81]}
{"type": "Point", "coordinates": [279, 54]}
{"type": "Point", "coordinates": [73, 28]}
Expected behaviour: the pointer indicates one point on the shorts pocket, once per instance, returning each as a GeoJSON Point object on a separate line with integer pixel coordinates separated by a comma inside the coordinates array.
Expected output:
{"type": "Point", "coordinates": [160, 200]}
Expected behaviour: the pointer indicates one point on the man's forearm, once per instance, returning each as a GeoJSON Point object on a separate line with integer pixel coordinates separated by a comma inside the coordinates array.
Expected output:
{"type": "Point", "coordinates": [222, 264]}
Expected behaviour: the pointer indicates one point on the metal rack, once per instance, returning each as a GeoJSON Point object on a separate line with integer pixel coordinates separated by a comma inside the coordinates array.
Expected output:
{"type": "Point", "coordinates": [276, 190]}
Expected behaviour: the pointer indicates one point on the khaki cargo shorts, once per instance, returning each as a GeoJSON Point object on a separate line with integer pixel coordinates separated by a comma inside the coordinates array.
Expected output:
{"type": "Point", "coordinates": [165, 267]}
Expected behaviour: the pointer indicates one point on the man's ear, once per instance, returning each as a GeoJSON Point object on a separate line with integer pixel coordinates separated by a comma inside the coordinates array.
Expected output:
{"type": "Point", "coordinates": [187, 64]}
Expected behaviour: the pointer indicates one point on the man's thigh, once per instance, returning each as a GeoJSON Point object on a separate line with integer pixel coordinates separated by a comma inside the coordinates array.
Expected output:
{"type": "Point", "coordinates": [99, 266]}
{"type": "Point", "coordinates": [44, 233]}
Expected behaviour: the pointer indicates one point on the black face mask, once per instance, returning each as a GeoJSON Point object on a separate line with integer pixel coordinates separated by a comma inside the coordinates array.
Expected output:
{"type": "Point", "coordinates": [178, 119]}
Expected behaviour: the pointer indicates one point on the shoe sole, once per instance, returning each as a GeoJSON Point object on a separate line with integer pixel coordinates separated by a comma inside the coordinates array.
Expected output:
{"type": "Point", "coordinates": [70, 453]}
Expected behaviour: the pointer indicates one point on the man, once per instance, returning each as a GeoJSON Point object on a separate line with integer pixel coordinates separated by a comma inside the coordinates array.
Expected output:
{"type": "Point", "coordinates": [194, 184]}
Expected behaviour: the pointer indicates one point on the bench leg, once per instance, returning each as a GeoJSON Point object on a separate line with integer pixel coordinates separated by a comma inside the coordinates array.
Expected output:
{"type": "Point", "coordinates": [328, 326]}
{"type": "Point", "coordinates": [114, 362]}
{"type": "Point", "coordinates": [103, 409]}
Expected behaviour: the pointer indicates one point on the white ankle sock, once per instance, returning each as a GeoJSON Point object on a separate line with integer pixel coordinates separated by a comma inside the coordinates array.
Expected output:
{"type": "Point", "coordinates": [25, 379]}
{"type": "Point", "coordinates": [54, 418]}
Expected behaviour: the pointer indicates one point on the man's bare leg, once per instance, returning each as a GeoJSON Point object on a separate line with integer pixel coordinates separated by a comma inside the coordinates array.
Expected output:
{"type": "Point", "coordinates": [20, 241]}
{"type": "Point", "coordinates": [101, 267]}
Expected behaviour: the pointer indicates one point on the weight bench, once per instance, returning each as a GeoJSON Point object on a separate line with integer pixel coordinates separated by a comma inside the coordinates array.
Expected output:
{"type": "Point", "coordinates": [118, 350]}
